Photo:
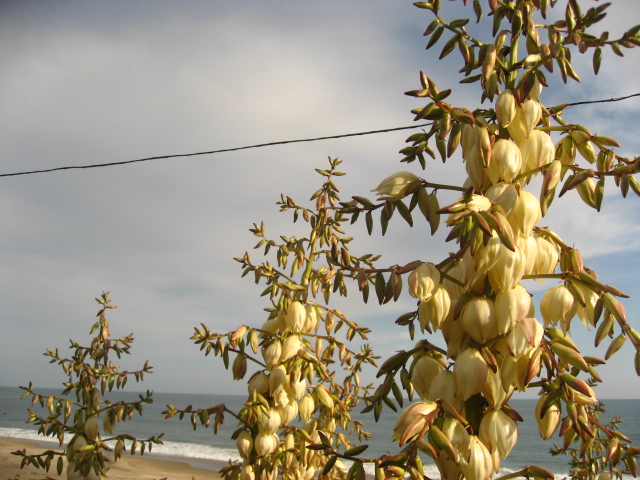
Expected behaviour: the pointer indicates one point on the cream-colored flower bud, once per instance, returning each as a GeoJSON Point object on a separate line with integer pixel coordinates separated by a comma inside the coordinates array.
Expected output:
{"type": "Point", "coordinates": [449, 469]}
{"type": "Point", "coordinates": [477, 464]}
{"type": "Point", "coordinates": [457, 339]}
{"type": "Point", "coordinates": [505, 107]}
{"type": "Point", "coordinates": [498, 432]}
{"type": "Point", "coordinates": [586, 313]}
{"type": "Point", "coordinates": [478, 318]}
{"type": "Point", "coordinates": [478, 203]}
{"type": "Point", "coordinates": [470, 373]}
{"type": "Point", "coordinates": [423, 281]}
{"type": "Point", "coordinates": [469, 139]}
{"type": "Point", "coordinates": [508, 270]}
{"type": "Point", "coordinates": [272, 353]}
{"type": "Point", "coordinates": [395, 186]}
{"type": "Point", "coordinates": [259, 381]}
{"type": "Point", "coordinates": [247, 473]}
{"type": "Point", "coordinates": [529, 247]}
{"type": "Point", "coordinates": [288, 411]}
{"type": "Point", "coordinates": [453, 288]}
{"type": "Point", "coordinates": [484, 258]}
{"type": "Point", "coordinates": [308, 473]}
{"type": "Point", "coordinates": [503, 194]}
{"type": "Point", "coordinates": [270, 421]}
{"type": "Point", "coordinates": [265, 444]}
{"type": "Point", "coordinates": [495, 392]}
{"type": "Point", "coordinates": [306, 407]}
{"type": "Point", "coordinates": [270, 327]}
{"type": "Point", "coordinates": [244, 444]}
{"type": "Point", "coordinates": [277, 379]}
{"type": "Point", "coordinates": [456, 433]}
{"type": "Point", "coordinates": [511, 306]}
{"type": "Point", "coordinates": [435, 310]}
{"type": "Point", "coordinates": [525, 336]}
{"type": "Point", "coordinates": [525, 214]}
{"type": "Point", "coordinates": [444, 386]}
{"type": "Point", "coordinates": [91, 427]}
{"type": "Point", "coordinates": [412, 420]}
{"type": "Point", "coordinates": [311, 322]}
{"type": "Point", "coordinates": [476, 171]}
{"type": "Point", "coordinates": [558, 304]}
{"type": "Point", "coordinates": [537, 150]}
{"type": "Point", "coordinates": [299, 387]}
{"type": "Point", "coordinates": [295, 317]}
{"type": "Point", "coordinates": [506, 161]}
{"type": "Point", "coordinates": [546, 257]}
{"type": "Point", "coordinates": [423, 371]}
{"type": "Point", "coordinates": [290, 347]}
{"type": "Point", "coordinates": [548, 424]}
{"type": "Point", "coordinates": [525, 119]}
{"type": "Point", "coordinates": [472, 279]}
{"type": "Point", "coordinates": [324, 396]}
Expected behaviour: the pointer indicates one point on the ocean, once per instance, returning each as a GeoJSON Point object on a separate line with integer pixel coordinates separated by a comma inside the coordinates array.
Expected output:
{"type": "Point", "coordinates": [203, 449]}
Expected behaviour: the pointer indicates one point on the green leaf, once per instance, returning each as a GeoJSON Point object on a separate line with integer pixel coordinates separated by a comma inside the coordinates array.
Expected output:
{"type": "Point", "coordinates": [597, 60]}
{"type": "Point", "coordinates": [449, 46]}
{"type": "Point", "coordinates": [435, 37]}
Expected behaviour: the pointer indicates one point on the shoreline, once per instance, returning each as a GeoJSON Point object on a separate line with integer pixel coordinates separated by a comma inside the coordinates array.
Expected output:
{"type": "Point", "coordinates": [128, 467]}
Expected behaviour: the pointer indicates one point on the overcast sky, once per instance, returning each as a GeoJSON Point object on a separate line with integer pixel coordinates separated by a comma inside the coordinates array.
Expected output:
{"type": "Point", "coordinates": [85, 82]}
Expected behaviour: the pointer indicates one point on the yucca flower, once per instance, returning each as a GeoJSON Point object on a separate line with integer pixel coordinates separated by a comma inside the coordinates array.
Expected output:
{"type": "Point", "coordinates": [508, 269]}
{"type": "Point", "coordinates": [549, 423]}
{"type": "Point", "coordinates": [511, 306]}
{"type": "Point", "coordinates": [434, 310]}
{"type": "Point", "coordinates": [478, 318]}
{"type": "Point", "coordinates": [529, 247]}
{"type": "Point", "coordinates": [537, 150]}
{"type": "Point", "coordinates": [525, 119]}
{"type": "Point", "coordinates": [505, 107]}
{"type": "Point", "coordinates": [546, 256]}
{"type": "Point", "coordinates": [272, 353]}
{"type": "Point", "coordinates": [498, 432]}
{"type": "Point", "coordinates": [477, 464]}
{"type": "Point", "coordinates": [503, 194]}
{"type": "Point", "coordinates": [558, 305]}
{"type": "Point", "coordinates": [423, 371]}
{"type": "Point", "coordinates": [470, 373]}
{"type": "Point", "coordinates": [244, 444]}
{"type": "Point", "coordinates": [423, 281]}
{"type": "Point", "coordinates": [395, 186]}
{"type": "Point", "coordinates": [525, 214]}
{"type": "Point", "coordinates": [494, 391]}
{"type": "Point", "coordinates": [506, 161]}
{"type": "Point", "coordinates": [444, 386]}
{"type": "Point", "coordinates": [290, 347]}
{"type": "Point", "coordinates": [265, 444]}
{"type": "Point", "coordinates": [413, 420]}
{"type": "Point", "coordinates": [306, 407]}
{"type": "Point", "coordinates": [259, 382]}
{"type": "Point", "coordinates": [295, 317]}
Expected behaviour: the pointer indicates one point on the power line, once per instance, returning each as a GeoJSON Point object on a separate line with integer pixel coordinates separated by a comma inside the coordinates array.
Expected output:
{"type": "Point", "coordinates": [617, 99]}
{"type": "Point", "coordinates": [282, 142]}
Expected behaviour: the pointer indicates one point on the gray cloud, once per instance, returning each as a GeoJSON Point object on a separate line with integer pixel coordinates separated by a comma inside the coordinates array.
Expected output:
{"type": "Point", "coordinates": [90, 82]}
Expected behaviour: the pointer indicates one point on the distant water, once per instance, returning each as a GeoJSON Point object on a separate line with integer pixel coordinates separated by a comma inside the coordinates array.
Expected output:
{"type": "Point", "coordinates": [201, 445]}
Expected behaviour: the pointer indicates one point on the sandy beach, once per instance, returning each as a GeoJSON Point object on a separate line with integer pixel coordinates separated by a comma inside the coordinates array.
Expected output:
{"type": "Point", "coordinates": [127, 468]}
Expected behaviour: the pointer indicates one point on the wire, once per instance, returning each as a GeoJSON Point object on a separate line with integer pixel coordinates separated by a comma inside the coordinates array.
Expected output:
{"type": "Point", "coordinates": [617, 99]}
{"type": "Point", "coordinates": [282, 142]}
